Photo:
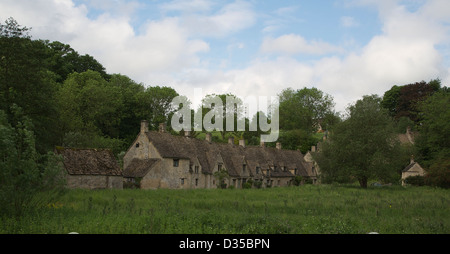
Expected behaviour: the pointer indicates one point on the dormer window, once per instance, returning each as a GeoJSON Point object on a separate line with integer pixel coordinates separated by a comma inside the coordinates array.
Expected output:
{"type": "Point", "coordinates": [219, 167]}
{"type": "Point", "coordinates": [244, 167]}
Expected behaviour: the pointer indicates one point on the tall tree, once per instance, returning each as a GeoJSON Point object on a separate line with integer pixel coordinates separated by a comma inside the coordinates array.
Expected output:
{"type": "Point", "coordinates": [304, 108]}
{"type": "Point", "coordinates": [155, 105]}
{"type": "Point", "coordinates": [26, 81]}
{"type": "Point", "coordinates": [363, 146]}
{"type": "Point", "coordinates": [402, 101]}
{"type": "Point", "coordinates": [65, 60]}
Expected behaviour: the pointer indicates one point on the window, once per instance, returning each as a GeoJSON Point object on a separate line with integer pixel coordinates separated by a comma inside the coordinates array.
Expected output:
{"type": "Point", "coordinates": [176, 162]}
{"type": "Point", "coordinates": [196, 169]}
{"type": "Point", "coordinates": [257, 170]}
{"type": "Point", "coordinates": [244, 167]}
{"type": "Point", "coordinates": [196, 181]}
{"type": "Point", "coordinates": [137, 145]}
{"type": "Point", "coordinates": [219, 167]}
{"type": "Point", "coordinates": [182, 181]}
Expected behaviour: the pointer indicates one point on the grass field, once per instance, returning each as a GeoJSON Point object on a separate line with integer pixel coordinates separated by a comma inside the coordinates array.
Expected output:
{"type": "Point", "coordinates": [318, 209]}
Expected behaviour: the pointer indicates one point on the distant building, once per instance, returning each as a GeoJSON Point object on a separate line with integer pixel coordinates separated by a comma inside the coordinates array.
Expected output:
{"type": "Point", "coordinates": [161, 160]}
{"type": "Point", "coordinates": [413, 169]}
{"type": "Point", "coordinates": [91, 168]}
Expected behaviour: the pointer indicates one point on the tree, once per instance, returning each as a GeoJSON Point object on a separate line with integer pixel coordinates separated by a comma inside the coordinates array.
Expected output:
{"type": "Point", "coordinates": [362, 147]}
{"type": "Point", "coordinates": [402, 101]}
{"type": "Point", "coordinates": [155, 105]}
{"type": "Point", "coordinates": [433, 142]}
{"type": "Point", "coordinates": [304, 108]}
{"type": "Point", "coordinates": [90, 110]}
{"type": "Point", "coordinates": [222, 111]}
{"type": "Point", "coordinates": [26, 81]}
{"type": "Point", "coordinates": [24, 173]}
{"type": "Point", "coordinates": [64, 60]}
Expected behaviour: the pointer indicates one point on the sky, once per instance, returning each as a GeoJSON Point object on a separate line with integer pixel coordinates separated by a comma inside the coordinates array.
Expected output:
{"type": "Point", "coordinates": [345, 48]}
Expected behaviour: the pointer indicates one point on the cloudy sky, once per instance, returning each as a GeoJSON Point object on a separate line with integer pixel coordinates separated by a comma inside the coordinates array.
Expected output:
{"type": "Point", "coordinates": [346, 48]}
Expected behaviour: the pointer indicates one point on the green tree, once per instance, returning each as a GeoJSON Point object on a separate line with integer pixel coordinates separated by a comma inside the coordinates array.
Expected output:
{"type": "Point", "coordinates": [402, 101]}
{"type": "Point", "coordinates": [155, 105]}
{"type": "Point", "coordinates": [64, 60]}
{"type": "Point", "coordinates": [433, 142]}
{"type": "Point", "coordinates": [362, 147]}
{"type": "Point", "coordinates": [26, 81]}
{"type": "Point", "coordinates": [304, 109]}
{"type": "Point", "coordinates": [24, 173]}
{"type": "Point", "coordinates": [222, 112]}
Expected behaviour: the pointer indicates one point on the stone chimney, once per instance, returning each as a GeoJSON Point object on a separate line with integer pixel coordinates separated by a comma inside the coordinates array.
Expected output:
{"type": "Point", "coordinates": [411, 161]}
{"type": "Point", "coordinates": [231, 140]}
{"type": "Point", "coordinates": [208, 137]}
{"type": "Point", "coordinates": [279, 145]}
{"type": "Point", "coordinates": [242, 142]}
{"type": "Point", "coordinates": [144, 126]}
{"type": "Point", "coordinates": [162, 127]}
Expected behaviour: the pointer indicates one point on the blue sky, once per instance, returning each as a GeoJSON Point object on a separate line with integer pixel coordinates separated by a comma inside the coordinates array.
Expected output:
{"type": "Point", "coordinates": [346, 48]}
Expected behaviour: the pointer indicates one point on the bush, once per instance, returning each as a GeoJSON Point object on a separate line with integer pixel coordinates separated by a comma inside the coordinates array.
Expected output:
{"type": "Point", "coordinates": [439, 174]}
{"type": "Point", "coordinates": [415, 180]}
{"type": "Point", "coordinates": [298, 180]}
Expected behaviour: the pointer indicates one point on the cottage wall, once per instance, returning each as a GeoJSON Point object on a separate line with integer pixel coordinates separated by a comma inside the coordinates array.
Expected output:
{"type": "Point", "coordinates": [415, 170]}
{"type": "Point", "coordinates": [94, 182]}
{"type": "Point", "coordinates": [142, 149]}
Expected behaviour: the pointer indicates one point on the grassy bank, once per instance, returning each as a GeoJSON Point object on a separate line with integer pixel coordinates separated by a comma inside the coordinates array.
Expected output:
{"type": "Point", "coordinates": [295, 210]}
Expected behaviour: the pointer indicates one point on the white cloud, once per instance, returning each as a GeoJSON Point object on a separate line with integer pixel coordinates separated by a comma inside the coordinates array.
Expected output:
{"type": "Point", "coordinates": [347, 21]}
{"type": "Point", "coordinates": [294, 44]}
{"type": "Point", "coordinates": [169, 51]}
{"type": "Point", "coordinates": [229, 19]}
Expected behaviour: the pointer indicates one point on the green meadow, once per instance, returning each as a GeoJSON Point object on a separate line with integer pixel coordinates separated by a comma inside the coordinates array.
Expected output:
{"type": "Point", "coordinates": [307, 209]}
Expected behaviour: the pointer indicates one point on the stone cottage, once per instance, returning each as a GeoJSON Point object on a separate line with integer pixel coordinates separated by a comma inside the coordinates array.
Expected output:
{"type": "Point", "coordinates": [413, 169]}
{"type": "Point", "coordinates": [157, 159]}
{"type": "Point", "coordinates": [91, 168]}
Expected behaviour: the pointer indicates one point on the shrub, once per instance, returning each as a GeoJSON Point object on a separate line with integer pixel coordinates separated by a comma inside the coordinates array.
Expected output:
{"type": "Point", "coordinates": [415, 180]}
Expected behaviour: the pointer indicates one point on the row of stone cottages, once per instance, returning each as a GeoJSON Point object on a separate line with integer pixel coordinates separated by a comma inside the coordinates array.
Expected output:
{"type": "Point", "coordinates": [161, 160]}
{"type": "Point", "coordinates": [157, 159]}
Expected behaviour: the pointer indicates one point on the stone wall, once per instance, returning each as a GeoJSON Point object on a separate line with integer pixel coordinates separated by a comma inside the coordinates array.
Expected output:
{"type": "Point", "coordinates": [94, 182]}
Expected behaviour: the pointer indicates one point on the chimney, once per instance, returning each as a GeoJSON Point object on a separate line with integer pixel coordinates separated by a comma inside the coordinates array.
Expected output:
{"type": "Point", "coordinates": [313, 148]}
{"type": "Point", "coordinates": [262, 144]}
{"type": "Point", "coordinates": [411, 161]}
{"type": "Point", "coordinates": [231, 140]}
{"type": "Point", "coordinates": [242, 142]}
{"type": "Point", "coordinates": [279, 145]}
{"type": "Point", "coordinates": [144, 126]}
{"type": "Point", "coordinates": [208, 137]}
{"type": "Point", "coordinates": [162, 127]}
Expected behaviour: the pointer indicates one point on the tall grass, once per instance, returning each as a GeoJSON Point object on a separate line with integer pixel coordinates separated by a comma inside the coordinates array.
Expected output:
{"type": "Point", "coordinates": [294, 210]}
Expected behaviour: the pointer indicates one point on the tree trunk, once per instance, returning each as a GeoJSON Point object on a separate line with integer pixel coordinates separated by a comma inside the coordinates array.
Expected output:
{"type": "Point", "coordinates": [363, 182]}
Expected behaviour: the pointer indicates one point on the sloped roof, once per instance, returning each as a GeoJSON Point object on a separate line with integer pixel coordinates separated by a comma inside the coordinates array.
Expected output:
{"type": "Point", "coordinates": [89, 161]}
{"type": "Point", "coordinates": [234, 156]}
{"type": "Point", "coordinates": [412, 164]}
{"type": "Point", "coordinates": [139, 167]}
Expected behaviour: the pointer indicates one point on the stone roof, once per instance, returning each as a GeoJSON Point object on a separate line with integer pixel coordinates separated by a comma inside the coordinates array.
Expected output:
{"type": "Point", "coordinates": [89, 161]}
{"type": "Point", "coordinates": [139, 167]}
{"type": "Point", "coordinates": [234, 156]}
